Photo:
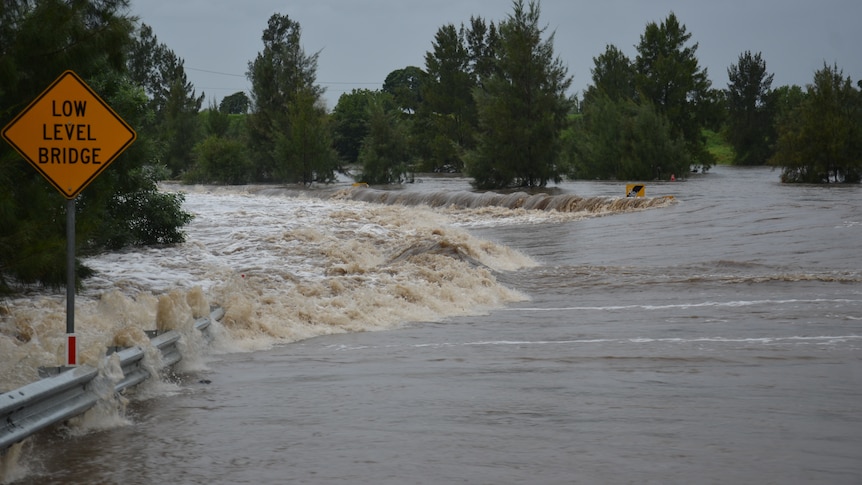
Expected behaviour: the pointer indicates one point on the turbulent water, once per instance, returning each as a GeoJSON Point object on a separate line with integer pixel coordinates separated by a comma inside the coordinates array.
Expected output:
{"type": "Point", "coordinates": [577, 336]}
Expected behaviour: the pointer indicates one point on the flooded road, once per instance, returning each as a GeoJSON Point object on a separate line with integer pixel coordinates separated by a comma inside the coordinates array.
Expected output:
{"type": "Point", "coordinates": [717, 339]}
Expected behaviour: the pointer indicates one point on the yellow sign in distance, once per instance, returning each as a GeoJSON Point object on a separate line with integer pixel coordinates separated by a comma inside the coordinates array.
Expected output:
{"type": "Point", "coordinates": [69, 134]}
{"type": "Point", "coordinates": [635, 190]}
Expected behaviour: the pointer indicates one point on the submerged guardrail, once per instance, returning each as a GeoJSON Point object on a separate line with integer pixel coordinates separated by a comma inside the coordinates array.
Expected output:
{"type": "Point", "coordinates": [38, 405]}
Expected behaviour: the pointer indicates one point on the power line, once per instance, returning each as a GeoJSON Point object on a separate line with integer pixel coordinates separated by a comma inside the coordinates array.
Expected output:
{"type": "Point", "coordinates": [358, 83]}
{"type": "Point", "coordinates": [349, 82]}
{"type": "Point", "coordinates": [215, 72]}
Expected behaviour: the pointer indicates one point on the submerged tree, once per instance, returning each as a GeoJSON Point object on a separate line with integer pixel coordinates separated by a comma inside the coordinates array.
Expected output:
{"type": "Point", "coordinates": [283, 86]}
{"type": "Point", "coordinates": [349, 121]}
{"type": "Point", "coordinates": [785, 100]}
{"type": "Point", "coordinates": [306, 148]}
{"type": "Point", "coordinates": [446, 120]}
{"type": "Point", "coordinates": [483, 43]}
{"type": "Point", "coordinates": [522, 108]}
{"type": "Point", "coordinates": [172, 99]}
{"type": "Point", "coordinates": [821, 141]}
{"type": "Point", "coordinates": [385, 154]}
{"type": "Point", "coordinates": [613, 77]}
{"type": "Point", "coordinates": [222, 157]}
{"type": "Point", "coordinates": [623, 139]}
{"type": "Point", "coordinates": [621, 135]}
{"type": "Point", "coordinates": [750, 119]}
{"type": "Point", "coordinates": [669, 76]}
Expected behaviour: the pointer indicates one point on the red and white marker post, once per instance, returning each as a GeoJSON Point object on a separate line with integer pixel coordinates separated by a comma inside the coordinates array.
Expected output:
{"type": "Point", "coordinates": [71, 349]}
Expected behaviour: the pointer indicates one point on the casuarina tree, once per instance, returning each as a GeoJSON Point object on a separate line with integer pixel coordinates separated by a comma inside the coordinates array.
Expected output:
{"type": "Point", "coordinates": [522, 107]}
{"type": "Point", "coordinates": [749, 111]}
{"type": "Point", "coordinates": [669, 76]}
{"type": "Point", "coordinates": [284, 96]}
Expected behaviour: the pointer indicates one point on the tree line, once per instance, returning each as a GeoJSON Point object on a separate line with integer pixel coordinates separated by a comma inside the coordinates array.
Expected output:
{"type": "Point", "coordinates": [491, 102]}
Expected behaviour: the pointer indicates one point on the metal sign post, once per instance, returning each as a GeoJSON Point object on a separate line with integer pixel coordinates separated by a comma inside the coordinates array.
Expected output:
{"type": "Point", "coordinates": [70, 135]}
{"type": "Point", "coordinates": [71, 337]}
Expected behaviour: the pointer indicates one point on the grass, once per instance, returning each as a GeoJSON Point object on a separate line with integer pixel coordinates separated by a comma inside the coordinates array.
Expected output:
{"type": "Point", "coordinates": [719, 147]}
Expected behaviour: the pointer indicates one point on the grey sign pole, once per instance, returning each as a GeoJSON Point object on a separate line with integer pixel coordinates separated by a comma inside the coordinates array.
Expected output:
{"type": "Point", "coordinates": [70, 274]}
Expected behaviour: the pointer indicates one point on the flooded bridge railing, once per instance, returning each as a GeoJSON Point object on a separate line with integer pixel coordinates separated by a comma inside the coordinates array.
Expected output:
{"type": "Point", "coordinates": [69, 393]}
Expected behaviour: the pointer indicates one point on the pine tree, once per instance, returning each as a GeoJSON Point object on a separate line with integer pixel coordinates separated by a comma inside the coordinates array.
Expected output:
{"type": "Point", "coordinates": [173, 100]}
{"type": "Point", "coordinates": [283, 80]}
{"type": "Point", "coordinates": [522, 108]}
{"type": "Point", "coordinates": [446, 120]}
{"type": "Point", "coordinates": [613, 76]}
{"type": "Point", "coordinates": [669, 76]}
{"type": "Point", "coordinates": [821, 141]}
{"type": "Point", "coordinates": [750, 119]}
{"type": "Point", "coordinates": [385, 153]}
{"type": "Point", "coordinates": [306, 149]}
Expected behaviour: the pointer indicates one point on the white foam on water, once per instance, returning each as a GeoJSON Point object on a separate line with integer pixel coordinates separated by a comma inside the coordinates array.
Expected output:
{"type": "Point", "coordinates": [728, 304]}
{"type": "Point", "coordinates": [12, 468]}
{"type": "Point", "coordinates": [283, 269]}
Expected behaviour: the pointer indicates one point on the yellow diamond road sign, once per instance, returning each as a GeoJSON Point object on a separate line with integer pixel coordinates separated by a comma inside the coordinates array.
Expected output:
{"type": "Point", "coordinates": [69, 134]}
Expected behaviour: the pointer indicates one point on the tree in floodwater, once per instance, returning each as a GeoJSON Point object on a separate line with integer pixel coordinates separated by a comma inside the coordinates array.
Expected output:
{"type": "Point", "coordinates": [349, 121]}
{"type": "Point", "coordinates": [221, 157]}
{"type": "Point", "coordinates": [175, 124]}
{"type": "Point", "coordinates": [385, 153]}
{"type": "Point", "coordinates": [669, 76]}
{"type": "Point", "coordinates": [522, 108]}
{"type": "Point", "coordinates": [619, 134]}
{"type": "Point", "coordinates": [625, 140]}
{"type": "Point", "coordinates": [287, 106]}
{"type": "Point", "coordinates": [749, 115]}
{"type": "Point", "coordinates": [613, 77]}
{"type": "Point", "coordinates": [821, 141]}
{"type": "Point", "coordinates": [306, 148]}
{"type": "Point", "coordinates": [446, 119]}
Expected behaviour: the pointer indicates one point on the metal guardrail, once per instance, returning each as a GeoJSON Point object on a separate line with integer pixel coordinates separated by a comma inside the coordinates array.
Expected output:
{"type": "Point", "coordinates": [38, 405]}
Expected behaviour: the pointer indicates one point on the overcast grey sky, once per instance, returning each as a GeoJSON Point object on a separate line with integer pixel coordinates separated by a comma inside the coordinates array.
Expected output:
{"type": "Point", "coordinates": [361, 41]}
